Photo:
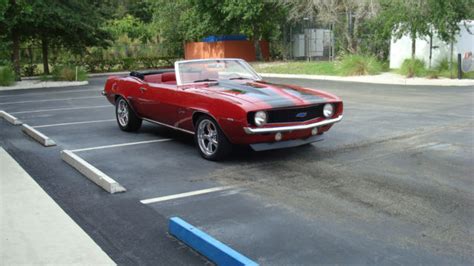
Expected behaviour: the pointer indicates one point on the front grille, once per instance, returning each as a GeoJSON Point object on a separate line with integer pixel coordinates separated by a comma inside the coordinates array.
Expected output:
{"type": "Point", "coordinates": [292, 114]}
{"type": "Point", "coordinates": [295, 114]}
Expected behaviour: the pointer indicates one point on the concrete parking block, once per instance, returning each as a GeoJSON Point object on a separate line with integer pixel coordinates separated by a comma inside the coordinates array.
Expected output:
{"type": "Point", "coordinates": [203, 243]}
{"type": "Point", "coordinates": [38, 136]}
{"type": "Point", "coordinates": [10, 118]}
{"type": "Point", "coordinates": [92, 173]}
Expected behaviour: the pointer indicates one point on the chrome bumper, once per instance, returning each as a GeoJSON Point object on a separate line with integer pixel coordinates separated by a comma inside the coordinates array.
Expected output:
{"type": "Point", "coordinates": [285, 144]}
{"type": "Point", "coordinates": [263, 130]}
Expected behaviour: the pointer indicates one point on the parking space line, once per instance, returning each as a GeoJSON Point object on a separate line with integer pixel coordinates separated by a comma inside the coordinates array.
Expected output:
{"type": "Point", "coordinates": [186, 194]}
{"type": "Point", "coordinates": [74, 123]}
{"type": "Point", "coordinates": [60, 109]}
{"type": "Point", "coordinates": [121, 145]}
{"type": "Point", "coordinates": [46, 93]}
{"type": "Point", "coordinates": [51, 100]}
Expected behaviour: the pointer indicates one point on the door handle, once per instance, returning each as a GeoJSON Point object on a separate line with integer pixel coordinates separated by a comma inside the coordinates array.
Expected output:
{"type": "Point", "coordinates": [142, 89]}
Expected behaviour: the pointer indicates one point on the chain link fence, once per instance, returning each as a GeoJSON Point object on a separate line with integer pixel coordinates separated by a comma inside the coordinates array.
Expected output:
{"type": "Point", "coordinates": [306, 40]}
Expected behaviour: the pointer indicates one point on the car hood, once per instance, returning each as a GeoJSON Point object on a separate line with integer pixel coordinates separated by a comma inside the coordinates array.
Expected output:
{"type": "Point", "coordinates": [270, 95]}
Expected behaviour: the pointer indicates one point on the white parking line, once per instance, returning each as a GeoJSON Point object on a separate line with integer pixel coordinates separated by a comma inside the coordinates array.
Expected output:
{"type": "Point", "coordinates": [186, 194]}
{"type": "Point", "coordinates": [52, 100]}
{"type": "Point", "coordinates": [46, 93]}
{"type": "Point", "coordinates": [74, 123]}
{"type": "Point", "coordinates": [61, 109]}
{"type": "Point", "coordinates": [121, 145]}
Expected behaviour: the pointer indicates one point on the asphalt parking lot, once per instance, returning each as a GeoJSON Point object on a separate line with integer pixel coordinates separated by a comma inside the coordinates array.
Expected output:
{"type": "Point", "coordinates": [390, 184]}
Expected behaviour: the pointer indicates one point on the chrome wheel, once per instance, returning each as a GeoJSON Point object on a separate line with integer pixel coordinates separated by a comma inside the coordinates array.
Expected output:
{"type": "Point", "coordinates": [207, 137]}
{"type": "Point", "coordinates": [122, 113]}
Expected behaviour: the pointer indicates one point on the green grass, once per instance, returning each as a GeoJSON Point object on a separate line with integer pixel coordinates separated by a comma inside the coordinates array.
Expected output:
{"type": "Point", "coordinates": [413, 68]}
{"type": "Point", "coordinates": [359, 65]}
{"type": "Point", "coordinates": [298, 67]}
{"type": "Point", "coordinates": [416, 68]}
{"type": "Point", "coordinates": [350, 65]}
{"type": "Point", "coordinates": [68, 73]}
{"type": "Point", "coordinates": [7, 76]}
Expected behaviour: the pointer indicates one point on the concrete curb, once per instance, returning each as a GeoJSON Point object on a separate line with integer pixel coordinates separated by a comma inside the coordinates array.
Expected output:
{"type": "Point", "coordinates": [92, 173]}
{"type": "Point", "coordinates": [106, 74]}
{"type": "Point", "coordinates": [38, 136]}
{"type": "Point", "coordinates": [206, 245]}
{"type": "Point", "coordinates": [10, 118]}
{"type": "Point", "coordinates": [45, 85]}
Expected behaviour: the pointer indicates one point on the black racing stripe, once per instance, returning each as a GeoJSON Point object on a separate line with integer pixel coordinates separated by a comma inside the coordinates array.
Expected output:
{"type": "Point", "coordinates": [261, 93]}
{"type": "Point", "coordinates": [307, 96]}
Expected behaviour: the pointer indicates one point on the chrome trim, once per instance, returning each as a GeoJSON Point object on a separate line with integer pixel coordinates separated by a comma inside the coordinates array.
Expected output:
{"type": "Point", "coordinates": [166, 125]}
{"type": "Point", "coordinates": [250, 130]}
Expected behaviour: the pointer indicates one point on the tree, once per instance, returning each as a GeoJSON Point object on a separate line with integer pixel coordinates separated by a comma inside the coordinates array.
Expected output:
{"type": "Point", "coordinates": [408, 18]}
{"type": "Point", "coordinates": [446, 18]}
{"type": "Point", "coordinates": [255, 18]}
{"type": "Point", "coordinates": [73, 25]}
{"type": "Point", "coordinates": [14, 21]}
{"type": "Point", "coordinates": [190, 20]}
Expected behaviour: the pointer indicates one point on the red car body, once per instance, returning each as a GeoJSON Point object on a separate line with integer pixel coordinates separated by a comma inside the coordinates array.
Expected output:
{"type": "Point", "coordinates": [157, 98]}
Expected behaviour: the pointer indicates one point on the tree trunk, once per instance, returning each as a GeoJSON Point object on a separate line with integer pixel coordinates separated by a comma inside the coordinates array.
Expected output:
{"type": "Point", "coordinates": [256, 43]}
{"type": "Point", "coordinates": [413, 46]}
{"type": "Point", "coordinates": [16, 54]}
{"type": "Point", "coordinates": [44, 48]}
{"type": "Point", "coordinates": [355, 33]}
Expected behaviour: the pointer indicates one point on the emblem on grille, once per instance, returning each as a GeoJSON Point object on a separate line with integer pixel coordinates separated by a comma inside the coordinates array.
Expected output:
{"type": "Point", "coordinates": [301, 115]}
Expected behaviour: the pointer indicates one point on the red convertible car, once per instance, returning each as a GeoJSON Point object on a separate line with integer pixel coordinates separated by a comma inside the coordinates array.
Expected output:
{"type": "Point", "coordinates": [223, 102]}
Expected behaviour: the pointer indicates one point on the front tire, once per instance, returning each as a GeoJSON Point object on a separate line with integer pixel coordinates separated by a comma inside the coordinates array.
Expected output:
{"type": "Point", "coordinates": [127, 120]}
{"type": "Point", "coordinates": [210, 139]}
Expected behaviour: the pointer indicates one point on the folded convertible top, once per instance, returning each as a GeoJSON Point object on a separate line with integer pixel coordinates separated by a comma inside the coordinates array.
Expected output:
{"type": "Point", "coordinates": [142, 74]}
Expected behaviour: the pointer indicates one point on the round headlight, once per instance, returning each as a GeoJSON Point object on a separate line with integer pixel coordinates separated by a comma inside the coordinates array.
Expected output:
{"type": "Point", "coordinates": [260, 118]}
{"type": "Point", "coordinates": [328, 110]}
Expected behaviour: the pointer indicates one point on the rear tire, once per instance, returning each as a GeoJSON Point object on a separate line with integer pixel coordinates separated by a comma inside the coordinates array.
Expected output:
{"type": "Point", "coordinates": [127, 120]}
{"type": "Point", "coordinates": [212, 144]}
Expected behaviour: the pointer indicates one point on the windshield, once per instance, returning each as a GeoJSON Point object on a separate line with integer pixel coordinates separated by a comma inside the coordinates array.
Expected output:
{"type": "Point", "coordinates": [209, 70]}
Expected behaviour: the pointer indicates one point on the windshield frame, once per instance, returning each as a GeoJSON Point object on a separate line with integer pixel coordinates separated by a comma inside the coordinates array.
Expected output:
{"type": "Point", "coordinates": [244, 63]}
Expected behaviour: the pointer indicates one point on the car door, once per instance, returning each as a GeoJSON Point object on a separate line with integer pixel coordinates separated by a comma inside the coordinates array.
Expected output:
{"type": "Point", "coordinates": [156, 103]}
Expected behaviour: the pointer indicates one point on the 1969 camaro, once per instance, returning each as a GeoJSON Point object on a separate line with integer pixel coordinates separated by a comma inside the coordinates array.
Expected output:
{"type": "Point", "coordinates": [223, 102]}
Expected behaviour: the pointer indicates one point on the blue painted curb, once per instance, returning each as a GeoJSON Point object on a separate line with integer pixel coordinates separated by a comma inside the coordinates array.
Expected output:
{"type": "Point", "coordinates": [205, 244]}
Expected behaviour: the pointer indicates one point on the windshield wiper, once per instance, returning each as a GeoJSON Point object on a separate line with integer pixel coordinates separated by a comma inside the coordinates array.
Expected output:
{"type": "Point", "coordinates": [238, 78]}
{"type": "Point", "coordinates": [205, 80]}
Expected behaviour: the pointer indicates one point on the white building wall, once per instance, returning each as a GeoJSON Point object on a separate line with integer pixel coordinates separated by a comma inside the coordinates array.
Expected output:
{"type": "Point", "coordinates": [401, 49]}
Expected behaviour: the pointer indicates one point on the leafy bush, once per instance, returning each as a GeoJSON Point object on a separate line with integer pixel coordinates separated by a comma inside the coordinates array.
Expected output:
{"type": "Point", "coordinates": [357, 65]}
{"type": "Point", "coordinates": [68, 73]}
{"type": "Point", "coordinates": [432, 74]}
{"type": "Point", "coordinates": [7, 76]}
{"type": "Point", "coordinates": [443, 68]}
{"type": "Point", "coordinates": [413, 68]}
{"type": "Point", "coordinates": [29, 70]}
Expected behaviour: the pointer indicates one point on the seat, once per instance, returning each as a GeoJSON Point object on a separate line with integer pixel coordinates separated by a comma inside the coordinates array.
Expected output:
{"type": "Point", "coordinates": [168, 78]}
{"type": "Point", "coordinates": [155, 78]}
